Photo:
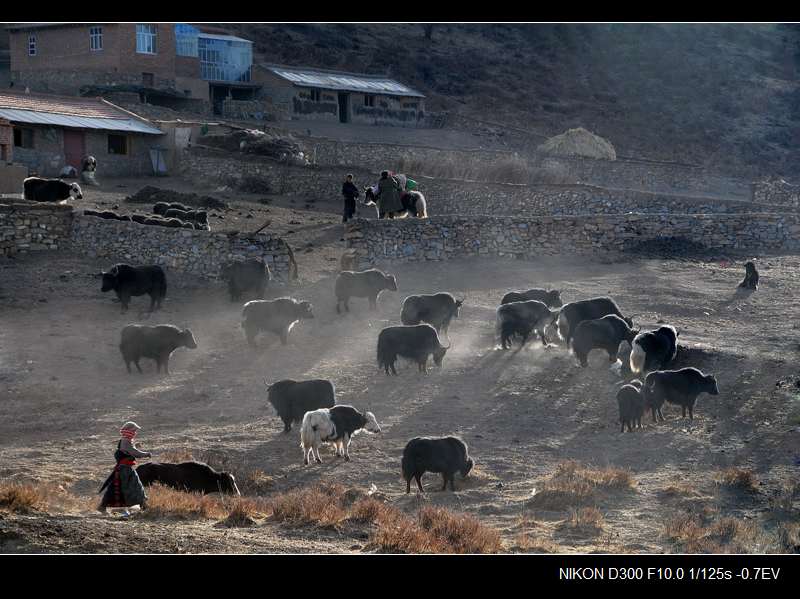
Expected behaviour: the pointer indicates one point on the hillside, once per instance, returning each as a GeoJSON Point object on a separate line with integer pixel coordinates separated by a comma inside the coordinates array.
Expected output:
{"type": "Point", "coordinates": [722, 95]}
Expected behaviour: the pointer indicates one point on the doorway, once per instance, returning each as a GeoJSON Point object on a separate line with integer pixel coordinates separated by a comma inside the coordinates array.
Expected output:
{"type": "Point", "coordinates": [344, 108]}
{"type": "Point", "coordinates": [74, 148]}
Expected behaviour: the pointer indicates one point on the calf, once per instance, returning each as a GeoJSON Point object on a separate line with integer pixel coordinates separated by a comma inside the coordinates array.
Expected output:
{"type": "Point", "coordinates": [368, 283]}
{"type": "Point", "coordinates": [49, 190]}
{"type": "Point", "coordinates": [336, 425]}
{"type": "Point", "coordinates": [127, 281]}
{"type": "Point", "coordinates": [679, 387]}
{"type": "Point", "coordinates": [602, 333]}
{"type": "Point", "coordinates": [415, 342]}
{"type": "Point", "coordinates": [436, 310]}
{"type": "Point", "coordinates": [574, 313]}
{"type": "Point", "coordinates": [522, 319]}
{"type": "Point", "coordinates": [445, 455]}
{"type": "Point", "coordinates": [292, 399]}
{"type": "Point", "coordinates": [154, 342]}
{"type": "Point", "coordinates": [653, 350]}
{"type": "Point", "coordinates": [631, 405]}
{"type": "Point", "coordinates": [194, 477]}
{"type": "Point", "coordinates": [248, 275]}
{"type": "Point", "coordinates": [276, 316]}
{"type": "Point", "coordinates": [160, 208]}
{"type": "Point", "coordinates": [750, 280]}
{"type": "Point", "coordinates": [551, 298]}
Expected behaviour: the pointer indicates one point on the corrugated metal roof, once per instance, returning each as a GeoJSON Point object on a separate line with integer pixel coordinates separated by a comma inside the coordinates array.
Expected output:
{"type": "Point", "coordinates": [343, 81]}
{"type": "Point", "coordinates": [70, 111]}
{"type": "Point", "coordinates": [78, 122]}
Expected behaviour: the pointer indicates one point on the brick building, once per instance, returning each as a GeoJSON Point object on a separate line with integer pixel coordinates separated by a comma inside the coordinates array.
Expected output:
{"type": "Point", "coordinates": [300, 93]}
{"type": "Point", "coordinates": [164, 63]}
{"type": "Point", "coordinates": [50, 132]}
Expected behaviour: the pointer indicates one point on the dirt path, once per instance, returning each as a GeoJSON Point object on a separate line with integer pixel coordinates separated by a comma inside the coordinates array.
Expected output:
{"type": "Point", "coordinates": [522, 413]}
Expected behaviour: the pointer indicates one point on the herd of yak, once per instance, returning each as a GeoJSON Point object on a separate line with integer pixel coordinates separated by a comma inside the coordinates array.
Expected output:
{"type": "Point", "coordinates": [584, 325]}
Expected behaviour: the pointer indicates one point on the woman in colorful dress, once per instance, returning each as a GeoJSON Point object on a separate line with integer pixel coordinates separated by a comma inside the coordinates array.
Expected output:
{"type": "Point", "coordinates": [123, 487]}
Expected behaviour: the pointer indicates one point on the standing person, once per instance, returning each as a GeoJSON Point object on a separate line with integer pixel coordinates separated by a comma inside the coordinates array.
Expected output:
{"type": "Point", "coordinates": [123, 487]}
{"type": "Point", "coordinates": [350, 193]}
{"type": "Point", "coordinates": [388, 196]}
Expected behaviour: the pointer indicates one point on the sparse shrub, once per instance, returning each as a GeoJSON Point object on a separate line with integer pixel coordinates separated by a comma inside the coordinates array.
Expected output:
{"type": "Point", "coordinates": [367, 510]}
{"type": "Point", "coordinates": [574, 485]}
{"type": "Point", "coordinates": [21, 498]}
{"type": "Point", "coordinates": [587, 520]}
{"type": "Point", "coordinates": [738, 478]}
{"type": "Point", "coordinates": [722, 535]}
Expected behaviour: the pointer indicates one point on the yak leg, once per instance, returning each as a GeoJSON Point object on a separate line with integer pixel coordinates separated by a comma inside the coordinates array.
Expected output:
{"type": "Point", "coordinates": [394, 370]}
{"type": "Point", "coordinates": [444, 478]}
{"type": "Point", "coordinates": [316, 454]}
{"type": "Point", "coordinates": [338, 310]}
{"type": "Point", "coordinates": [408, 486]}
{"type": "Point", "coordinates": [452, 482]}
{"type": "Point", "coordinates": [419, 482]}
{"type": "Point", "coordinates": [544, 339]}
{"type": "Point", "coordinates": [305, 456]}
{"type": "Point", "coordinates": [691, 415]}
{"type": "Point", "coordinates": [124, 299]}
{"type": "Point", "coordinates": [346, 447]}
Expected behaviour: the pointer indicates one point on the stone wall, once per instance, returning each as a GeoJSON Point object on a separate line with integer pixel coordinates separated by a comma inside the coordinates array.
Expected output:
{"type": "Point", "coordinates": [196, 252]}
{"type": "Point", "coordinates": [27, 227]}
{"type": "Point", "coordinates": [445, 238]}
{"type": "Point", "coordinates": [461, 197]}
{"type": "Point", "coordinates": [628, 174]}
{"type": "Point", "coordinates": [776, 191]}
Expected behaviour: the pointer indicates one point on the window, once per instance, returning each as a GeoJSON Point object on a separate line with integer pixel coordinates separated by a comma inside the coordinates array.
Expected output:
{"type": "Point", "coordinates": [23, 138]}
{"type": "Point", "coordinates": [31, 45]}
{"type": "Point", "coordinates": [146, 39]}
{"type": "Point", "coordinates": [369, 100]}
{"type": "Point", "coordinates": [95, 38]}
{"type": "Point", "coordinates": [118, 144]}
{"type": "Point", "coordinates": [148, 80]}
{"type": "Point", "coordinates": [412, 105]}
{"type": "Point", "coordinates": [316, 96]}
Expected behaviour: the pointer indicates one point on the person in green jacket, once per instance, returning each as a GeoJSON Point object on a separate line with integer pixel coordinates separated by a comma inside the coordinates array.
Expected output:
{"type": "Point", "coordinates": [388, 196]}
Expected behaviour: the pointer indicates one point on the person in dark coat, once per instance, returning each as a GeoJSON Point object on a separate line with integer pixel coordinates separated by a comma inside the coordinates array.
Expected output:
{"type": "Point", "coordinates": [350, 193]}
{"type": "Point", "coordinates": [388, 196]}
{"type": "Point", "coordinates": [123, 487]}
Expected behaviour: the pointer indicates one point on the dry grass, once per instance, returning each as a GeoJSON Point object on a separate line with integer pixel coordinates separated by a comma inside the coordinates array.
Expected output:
{"type": "Point", "coordinates": [165, 502]}
{"type": "Point", "coordinates": [694, 534]}
{"type": "Point", "coordinates": [573, 484]}
{"type": "Point", "coordinates": [460, 532]}
{"type": "Point", "coordinates": [503, 169]}
{"type": "Point", "coordinates": [22, 498]}
{"type": "Point", "coordinates": [738, 478]}
{"type": "Point", "coordinates": [320, 505]}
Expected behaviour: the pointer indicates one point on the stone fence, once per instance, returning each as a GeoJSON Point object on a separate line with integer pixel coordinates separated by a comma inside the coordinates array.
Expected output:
{"type": "Point", "coordinates": [444, 238]}
{"type": "Point", "coordinates": [620, 173]}
{"type": "Point", "coordinates": [445, 196]}
{"type": "Point", "coordinates": [776, 191]}
{"type": "Point", "coordinates": [26, 226]}
{"type": "Point", "coordinates": [197, 252]}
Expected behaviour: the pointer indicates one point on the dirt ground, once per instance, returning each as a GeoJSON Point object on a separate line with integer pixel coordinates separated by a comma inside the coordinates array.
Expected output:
{"type": "Point", "coordinates": [66, 392]}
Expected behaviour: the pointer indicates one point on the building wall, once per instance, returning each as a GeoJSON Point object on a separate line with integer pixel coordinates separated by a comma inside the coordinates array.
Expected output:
{"type": "Point", "coordinates": [47, 159]}
{"type": "Point", "coordinates": [64, 61]}
{"type": "Point", "coordinates": [388, 110]}
{"type": "Point", "coordinates": [450, 237]}
{"type": "Point", "coordinates": [776, 192]}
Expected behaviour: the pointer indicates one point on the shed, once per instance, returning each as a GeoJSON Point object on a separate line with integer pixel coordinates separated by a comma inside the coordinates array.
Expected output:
{"type": "Point", "coordinates": [302, 93]}
{"type": "Point", "coordinates": [53, 131]}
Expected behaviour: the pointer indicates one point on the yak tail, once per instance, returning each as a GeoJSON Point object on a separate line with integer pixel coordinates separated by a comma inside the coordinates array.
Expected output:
{"type": "Point", "coordinates": [637, 358]}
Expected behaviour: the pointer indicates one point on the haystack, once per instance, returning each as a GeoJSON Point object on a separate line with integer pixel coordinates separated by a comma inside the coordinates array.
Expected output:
{"type": "Point", "coordinates": [579, 142]}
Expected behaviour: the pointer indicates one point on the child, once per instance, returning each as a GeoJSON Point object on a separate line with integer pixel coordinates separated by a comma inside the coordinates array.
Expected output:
{"type": "Point", "coordinates": [123, 487]}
